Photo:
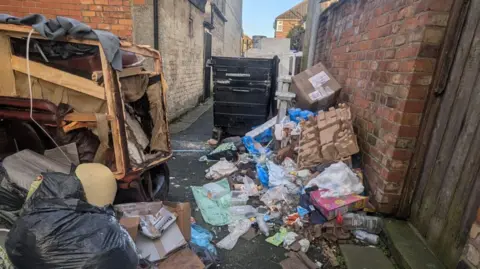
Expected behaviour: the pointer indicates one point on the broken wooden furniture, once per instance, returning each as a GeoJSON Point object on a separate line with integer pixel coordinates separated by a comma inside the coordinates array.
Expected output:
{"type": "Point", "coordinates": [123, 101]}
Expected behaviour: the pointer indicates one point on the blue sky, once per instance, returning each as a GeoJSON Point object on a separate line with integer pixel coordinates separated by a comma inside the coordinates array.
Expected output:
{"type": "Point", "coordinates": [259, 15]}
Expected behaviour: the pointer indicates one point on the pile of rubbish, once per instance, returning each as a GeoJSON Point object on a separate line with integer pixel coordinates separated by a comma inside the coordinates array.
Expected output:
{"type": "Point", "coordinates": [60, 215]}
{"type": "Point", "coordinates": [292, 181]}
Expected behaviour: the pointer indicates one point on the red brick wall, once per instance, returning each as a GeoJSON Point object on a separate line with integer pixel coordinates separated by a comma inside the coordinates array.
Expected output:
{"type": "Point", "coordinates": [383, 53]}
{"type": "Point", "coordinates": [287, 26]}
{"type": "Point", "coordinates": [111, 15]}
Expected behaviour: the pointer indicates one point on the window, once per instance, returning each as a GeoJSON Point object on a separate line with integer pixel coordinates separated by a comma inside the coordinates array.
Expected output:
{"type": "Point", "coordinates": [279, 26]}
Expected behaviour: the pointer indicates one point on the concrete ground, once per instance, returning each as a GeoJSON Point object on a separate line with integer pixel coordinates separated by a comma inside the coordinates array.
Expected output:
{"type": "Point", "coordinates": [186, 171]}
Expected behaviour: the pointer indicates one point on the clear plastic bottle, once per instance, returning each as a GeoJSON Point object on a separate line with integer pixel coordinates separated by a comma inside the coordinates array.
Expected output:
{"type": "Point", "coordinates": [366, 237]}
{"type": "Point", "coordinates": [369, 224]}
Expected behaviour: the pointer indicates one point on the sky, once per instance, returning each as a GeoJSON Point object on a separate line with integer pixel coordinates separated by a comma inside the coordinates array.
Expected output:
{"type": "Point", "coordinates": [259, 15]}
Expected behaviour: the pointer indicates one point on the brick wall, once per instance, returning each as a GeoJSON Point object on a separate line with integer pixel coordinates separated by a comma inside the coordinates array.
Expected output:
{"type": "Point", "coordinates": [383, 53]}
{"type": "Point", "coordinates": [233, 28]}
{"type": "Point", "coordinates": [182, 51]}
{"type": "Point", "coordinates": [287, 26]}
{"type": "Point", "coordinates": [112, 15]}
{"type": "Point", "coordinates": [218, 35]}
{"type": "Point", "coordinates": [471, 255]}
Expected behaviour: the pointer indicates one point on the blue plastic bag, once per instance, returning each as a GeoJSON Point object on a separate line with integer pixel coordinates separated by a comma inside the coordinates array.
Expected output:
{"type": "Point", "coordinates": [264, 137]}
{"type": "Point", "coordinates": [254, 147]}
{"type": "Point", "coordinates": [202, 238]}
{"type": "Point", "coordinates": [262, 174]}
{"type": "Point", "coordinates": [296, 114]}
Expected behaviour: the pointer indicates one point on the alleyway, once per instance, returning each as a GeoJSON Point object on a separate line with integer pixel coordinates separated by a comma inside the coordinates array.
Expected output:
{"type": "Point", "coordinates": [186, 170]}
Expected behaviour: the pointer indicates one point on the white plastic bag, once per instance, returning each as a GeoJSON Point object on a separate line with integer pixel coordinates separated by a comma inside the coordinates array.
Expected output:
{"type": "Point", "coordinates": [236, 230]}
{"type": "Point", "coordinates": [339, 179]}
{"type": "Point", "coordinates": [220, 170]}
{"type": "Point", "coordinates": [277, 175]}
{"type": "Point", "coordinates": [290, 238]}
{"type": "Point", "coordinates": [249, 186]}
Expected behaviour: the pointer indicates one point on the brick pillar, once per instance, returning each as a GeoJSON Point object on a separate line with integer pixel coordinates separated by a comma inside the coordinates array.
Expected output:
{"type": "Point", "coordinates": [384, 54]}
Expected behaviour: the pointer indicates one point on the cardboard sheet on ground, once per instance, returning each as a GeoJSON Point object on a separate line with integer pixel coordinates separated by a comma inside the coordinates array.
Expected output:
{"type": "Point", "coordinates": [214, 212]}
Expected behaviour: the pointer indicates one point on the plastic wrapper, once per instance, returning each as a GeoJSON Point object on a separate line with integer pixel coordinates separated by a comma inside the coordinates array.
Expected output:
{"type": "Point", "coordinates": [290, 238]}
{"type": "Point", "coordinates": [242, 212]}
{"type": "Point", "coordinates": [278, 238]}
{"type": "Point", "coordinates": [276, 175]}
{"type": "Point", "coordinates": [262, 174]}
{"type": "Point", "coordinates": [339, 180]}
{"type": "Point", "coordinates": [214, 212]}
{"type": "Point", "coordinates": [236, 230]}
{"type": "Point", "coordinates": [202, 238]}
{"type": "Point", "coordinates": [297, 115]}
{"type": "Point", "coordinates": [249, 186]}
{"type": "Point", "coordinates": [59, 229]}
{"type": "Point", "coordinates": [220, 170]}
{"type": "Point", "coordinates": [262, 225]}
{"type": "Point", "coordinates": [225, 150]}
{"type": "Point", "coordinates": [275, 195]}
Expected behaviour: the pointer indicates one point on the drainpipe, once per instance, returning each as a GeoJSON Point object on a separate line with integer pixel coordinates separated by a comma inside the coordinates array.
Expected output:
{"type": "Point", "coordinates": [313, 32]}
{"type": "Point", "coordinates": [155, 24]}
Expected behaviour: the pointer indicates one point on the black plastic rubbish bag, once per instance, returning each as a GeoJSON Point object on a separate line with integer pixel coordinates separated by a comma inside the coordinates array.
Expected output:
{"type": "Point", "coordinates": [59, 229]}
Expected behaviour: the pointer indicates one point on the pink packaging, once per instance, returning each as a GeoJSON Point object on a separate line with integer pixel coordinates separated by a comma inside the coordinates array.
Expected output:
{"type": "Point", "coordinates": [332, 207]}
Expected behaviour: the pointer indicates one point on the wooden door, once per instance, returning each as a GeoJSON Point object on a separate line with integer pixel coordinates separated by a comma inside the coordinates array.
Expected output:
{"type": "Point", "coordinates": [447, 194]}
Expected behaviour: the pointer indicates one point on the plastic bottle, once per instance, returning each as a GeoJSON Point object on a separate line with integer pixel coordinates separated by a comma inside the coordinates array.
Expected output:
{"type": "Point", "coordinates": [369, 224]}
{"type": "Point", "coordinates": [366, 237]}
{"type": "Point", "coordinates": [242, 212]}
{"type": "Point", "coordinates": [262, 225]}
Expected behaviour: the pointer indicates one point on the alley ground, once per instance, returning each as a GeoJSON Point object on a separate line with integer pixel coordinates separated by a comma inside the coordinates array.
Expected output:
{"type": "Point", "coordinates": [186, 171]}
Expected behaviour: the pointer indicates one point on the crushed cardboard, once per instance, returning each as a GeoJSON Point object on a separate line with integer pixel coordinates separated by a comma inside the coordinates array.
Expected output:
{"type": "Point", "coordinates": [327, 137]}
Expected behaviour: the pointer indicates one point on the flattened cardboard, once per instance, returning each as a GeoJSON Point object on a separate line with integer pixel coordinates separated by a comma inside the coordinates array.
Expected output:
{"type": "Point", "coordinates": [158, 249]}
{"type": "Point", "coordinates": [184, 213]}
{"type": "Point", "coordinates": [184, 258]}
{"type": "Point", "coordinates": [315, 88]}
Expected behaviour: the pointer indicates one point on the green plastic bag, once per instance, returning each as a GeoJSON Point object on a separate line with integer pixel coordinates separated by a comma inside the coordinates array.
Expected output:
{"type": "Point", "coordinates": [214, 212]}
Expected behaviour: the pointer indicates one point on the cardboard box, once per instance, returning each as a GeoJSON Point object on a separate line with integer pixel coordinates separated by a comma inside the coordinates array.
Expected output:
{"type": "Point", "coordinates": [332, 207]}
{"type": "Point", "coordinates": [184, 258]}
{"type": "Point", "coordinates": [316, 88]}
{"type": "Point", "coordinates": [184, 214]}
{"type": "Point", "coordinates": [131, 225]}
{"type": "Point", "coordinates": [158, 249]}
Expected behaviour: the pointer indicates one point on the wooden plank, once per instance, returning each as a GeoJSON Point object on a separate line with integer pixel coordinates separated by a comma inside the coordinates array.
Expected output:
{"type": "Point", "coordinates": [7, 78]}
{"type": "Point", "coordinates": [119, 138]}
{"type": "Point", "coordinates": [419, 203]}
{"type": "Point", "coordinates": [460, 213]}
{"type": "Point", "coordinates": [83, 117]}
{"type": "Point", "coordinates": [465, 125]}
{"type": "Point", "coordinates": [456, 23]}
{"type": "Point", "coordinates": [59, 77]}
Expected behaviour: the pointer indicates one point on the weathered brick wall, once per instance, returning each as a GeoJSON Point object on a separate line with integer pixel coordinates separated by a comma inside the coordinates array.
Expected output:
{"type": "Point", "coordinates": [181, 45]}
{"type": "Point", "coordinates": [233, 28]}
{"type": "Point", "coordinates": [383, 53]}
{"type": "Point", "coordinates": [112, 15]}
{"type": "Point", "coordinates": [471, 255]}
{"type": "Point", "coordinates": [218, 35]}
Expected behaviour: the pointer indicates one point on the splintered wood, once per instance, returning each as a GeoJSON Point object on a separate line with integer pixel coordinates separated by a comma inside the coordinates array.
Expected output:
{"type": "Point", "coordinates": [327, 137]}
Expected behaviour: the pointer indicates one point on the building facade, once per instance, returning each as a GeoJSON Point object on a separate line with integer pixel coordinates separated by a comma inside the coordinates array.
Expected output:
{"type": "Point", "coordinates": [175, 27]}
{"type": "Point", "coordinates": [290, 18]}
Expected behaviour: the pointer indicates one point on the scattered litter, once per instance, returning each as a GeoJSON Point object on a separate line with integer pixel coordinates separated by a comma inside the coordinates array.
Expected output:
{"type": "Point", "coordinates": [202, 238]}
{"type": "Point", "coordinates": [236, 229]}
{"type": "Point", "coordinates": [226, 151]}
{"type": "Point", "coordinates": [278, 238]}
{"type": "Point", "coordinates": [290, 238]}
{"type": "Point", "coordinates": [212, 142]}
{"type": "Point", "coordinates": [214, 212]}
{"type": "Point", "coordinates": [338, 180]}
{"type": "Point", "coordinates": [305, 245]}
{"type": "Point", "coordinates": [220, 170]}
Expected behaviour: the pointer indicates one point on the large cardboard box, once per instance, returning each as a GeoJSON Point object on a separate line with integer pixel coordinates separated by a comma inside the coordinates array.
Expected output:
{"type": "Point", "coordinates": [316, 88]}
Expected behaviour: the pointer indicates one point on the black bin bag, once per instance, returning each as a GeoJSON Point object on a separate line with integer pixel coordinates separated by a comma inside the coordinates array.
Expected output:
{"type": "Point", "coordinates": [59, 229]}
